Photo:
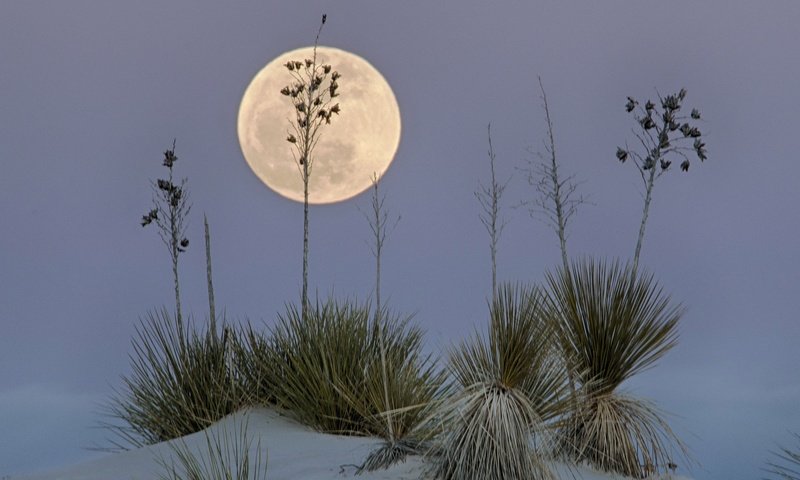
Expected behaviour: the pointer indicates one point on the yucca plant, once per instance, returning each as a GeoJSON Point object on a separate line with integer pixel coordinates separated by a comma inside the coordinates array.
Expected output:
{"type": "Point", "coordinates": [224, 456]}
{"type": "Point", "coordinates": [613, 323]}
{"type": "Point", "coordinates": [399, 390]}
{"type": "Point", "coordinates": [180, 384]}
{"type": "Point", "coordinates": [312, 357]}
{"type": "Point", "coordinates": [328, 371]}
{"type": "Point", "coordinates": [512, 385]}
{"type": "Point", "coordinates": [786, 465]}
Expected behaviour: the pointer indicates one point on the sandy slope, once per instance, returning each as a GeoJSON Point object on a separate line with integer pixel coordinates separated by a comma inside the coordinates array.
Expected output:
{"type": "Point", "coordinates": [293, 452]}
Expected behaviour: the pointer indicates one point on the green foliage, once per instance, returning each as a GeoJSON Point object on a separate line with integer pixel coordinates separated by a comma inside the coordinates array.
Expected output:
{"type": "Point", "coordinates": [225, 457]}
{"type": "Point", "coordinates": [612, 323]}
{"type": "Point", "coordinates": [179, 384]}
{"type": "Point", "coordinates": [512, 385]}
{"type": "Point", "coordinates": [328, 371]}
{"type": "Point", "coordinates": [786, 465]}
{"type": "Point", "coordinates": [256, 361]}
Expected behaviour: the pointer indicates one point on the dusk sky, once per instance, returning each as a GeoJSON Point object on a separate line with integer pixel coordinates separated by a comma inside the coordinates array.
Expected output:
{"type": "Point", "coordinates": [93, 91]}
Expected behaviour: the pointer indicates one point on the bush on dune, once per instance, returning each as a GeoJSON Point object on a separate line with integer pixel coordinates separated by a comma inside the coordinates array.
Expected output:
{"type": "Point", "coordinates": [613, 323]}
{"type": "Point", "coordinates": [180, 384]}
{"type": "Point", "coordinates": [399, 391]}
{"type": "Point", "coordinates": [341, 372]}
{"type": "Point", "coordinates": [512, 385]}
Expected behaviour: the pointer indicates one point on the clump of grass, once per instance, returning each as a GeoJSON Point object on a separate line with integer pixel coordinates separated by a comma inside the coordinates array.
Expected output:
{"type": "Point", "coordinates": [331, 373]}
{"type": "Point", "coordinates": [786, 465]}
{"type": "Point", "coordinates": [180, 384]}
{"type": "Point", "coordinates": [309, 360]}
{"type": "Point", "coordinates": [512, 385]}
{"type": "Point", "coordinates": [613, 322]}
{"type": "Point", "coordinates": [255, 361]}
{"type": "Point", "coordinates": [226, 456]}
{"type": "Point", "coordinates": [399, 390]}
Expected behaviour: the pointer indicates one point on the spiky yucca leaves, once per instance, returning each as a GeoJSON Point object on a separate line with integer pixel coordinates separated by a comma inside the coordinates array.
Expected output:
{"type": "Point", "coordinates": [786, 465]}
{"type": "Point", "coordinates": [512, 386]}
{"type": "Point", "coordinates": [327, 370]}
{"type": "Point", "coordinates": [399, 392]}
{"type": "Point", "coordinates": [180, 384]}
{"type": "Point", "coordinates": [226, 456]}
{"type": "Point", "coordinates": [612, 323]}
{"type": "Point", "coordinates": [312, 357]}
{"type": "Point", "coordinates": [256, 363]}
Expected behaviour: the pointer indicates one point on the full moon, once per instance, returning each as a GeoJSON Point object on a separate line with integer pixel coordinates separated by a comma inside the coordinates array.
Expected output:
{"type": "Point", "coordinates": [358, 143]}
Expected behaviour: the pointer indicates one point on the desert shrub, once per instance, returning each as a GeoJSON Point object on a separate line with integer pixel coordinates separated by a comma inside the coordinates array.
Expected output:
{"type": "Point", "coordinates": [224, 456]}
{"type": "Point", "coordinates": [512, 385]}
{"type": "Point", "coordinates": [786, 463]}
{"type": "Point", "coordinates": [331, 373]}
{"type": "Point", "coordinates": [612, 323]}
{"type": "Point", "coordinates": [180, 383]}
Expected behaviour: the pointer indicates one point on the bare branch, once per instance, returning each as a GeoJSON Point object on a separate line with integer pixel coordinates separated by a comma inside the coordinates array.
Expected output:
{"type": "Point", "coordinates": [489, 198]}
{"type": "Point", "coordinates": [557, 200]}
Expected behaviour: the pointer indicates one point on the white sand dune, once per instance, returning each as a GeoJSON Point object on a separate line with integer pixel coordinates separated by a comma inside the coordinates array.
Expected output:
{"type": "Point", "coordinates": [292, 452]}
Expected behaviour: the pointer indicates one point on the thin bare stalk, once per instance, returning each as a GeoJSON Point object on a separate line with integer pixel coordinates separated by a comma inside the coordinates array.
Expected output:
{"type": "Point", "coordinates": [645, 212]}
{"type": "Point", "coordinates": [377, 222]}
{"type": "Point", "coordinates": [557, 199]}
{"type": "Point", "coordinates": [212, 311]}
{"type": "Point", "coordinates": [489, 197]}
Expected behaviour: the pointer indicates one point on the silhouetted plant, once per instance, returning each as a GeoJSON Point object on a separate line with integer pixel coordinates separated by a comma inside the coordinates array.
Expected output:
{"type": "Point", "coordinates": [786, 463]}
{"type": "Point", "coordinates": [489, 197]}
{"type": "Point", "coordinates": [663, 132]}
{"type": "Point", "coordinates": [613, 324]}
{"type": "Point", "coordinates": [170, 209]}
{"type": "Point", "coordinates": [311, 93]}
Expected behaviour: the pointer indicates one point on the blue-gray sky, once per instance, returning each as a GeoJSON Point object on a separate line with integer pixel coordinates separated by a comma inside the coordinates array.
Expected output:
{"type": "Point", "coordinates": [91, 93]}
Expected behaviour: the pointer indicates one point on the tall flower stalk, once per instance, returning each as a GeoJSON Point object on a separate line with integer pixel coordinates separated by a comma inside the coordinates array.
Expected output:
{"type": "Point", "coordinates": [311, 92]}
{"type": "Point", "coordinates": [170, 209]}
{"type": "Point", "coordinates": [557, 199]}
{"type": "Point", "coordinates": [489, 198]}
{"type": "Point", "coordinates": [663, 132]}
